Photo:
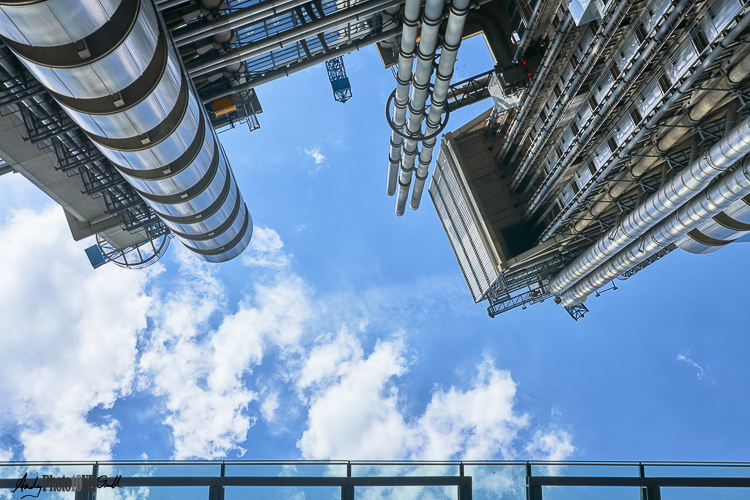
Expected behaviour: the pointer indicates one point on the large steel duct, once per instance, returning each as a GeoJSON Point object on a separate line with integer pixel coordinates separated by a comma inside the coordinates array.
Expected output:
{"type": "Point", "coordinates": [678, 191]}
{"type": "Point", "coordinates": [729, 32]}
{"type": "Point", "coordinates": [724, 193]}
{"type": "Point", "coordinates": [451, 43]}
{"type": "Point", "coordinates": [431, 19]}
{"type": "Point", "coordinates": [114, 70]}
{"type": "Point", "coordinates": [403, 84]}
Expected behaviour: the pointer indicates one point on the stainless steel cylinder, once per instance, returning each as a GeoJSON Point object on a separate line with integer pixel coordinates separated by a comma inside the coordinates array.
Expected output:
{"type": "Point", "coordinates": [110, 66]}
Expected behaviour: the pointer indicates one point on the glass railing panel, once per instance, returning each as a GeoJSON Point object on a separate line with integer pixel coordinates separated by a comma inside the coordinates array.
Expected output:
{"type": "Point", "coordinates": [497, 481]}
{"type": "Point", "coordinates": [34, 478]}
{"type": "Point", "coordinates": [591, 492]}
{"type": "Point", "coordinates": [404, 469]}
{"type": "Point", "coordinates": [283, 493]}
{"type": "Point", "coordinates": [585, 470]}
{"type": "Point", "coordinates": [176, 469]}
{"type": "Point", "coordinates": [287, 469]}
{"type": "Point", "coordinates": [686, 493]}
{"type": "Point", "coordinates": [153, 493]}
{"type": "Point", "coordinates": [406, 493]}
{"type": "Point", "coordinates": [697, 470]}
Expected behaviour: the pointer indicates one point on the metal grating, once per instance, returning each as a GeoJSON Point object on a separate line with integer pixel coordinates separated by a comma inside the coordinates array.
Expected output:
{"type": "Point", "coordinates": [455, 211]}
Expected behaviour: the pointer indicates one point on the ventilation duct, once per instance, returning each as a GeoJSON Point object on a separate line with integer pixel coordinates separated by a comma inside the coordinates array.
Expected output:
{"type": "Point", "coordinates": [728, 190]}
{"type": "Point", "coordinates": [114, 70]}
{"type": "Point", "coordinates": [687, 184]}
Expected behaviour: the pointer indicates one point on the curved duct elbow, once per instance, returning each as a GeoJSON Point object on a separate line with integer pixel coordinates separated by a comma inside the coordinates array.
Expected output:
{"type": "Point", "coordinates": [110, 66]}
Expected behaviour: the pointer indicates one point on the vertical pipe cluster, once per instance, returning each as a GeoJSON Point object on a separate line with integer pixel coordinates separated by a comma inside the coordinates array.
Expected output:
{"type": "Point", "coordinates": [112, 68]}
{"type": "Point", "coordinates": [403, 84]}
{"type": "Point", "coordinates": [431, 20]}
{"type": "Point", "coordinates": [451, 42]}
{"type": "Point", "coordinates": [561, 35]}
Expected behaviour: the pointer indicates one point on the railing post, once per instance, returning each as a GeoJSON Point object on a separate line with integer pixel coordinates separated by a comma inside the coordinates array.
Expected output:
{"type": "Point", "coordinates": [650, 492]}
{"type": "Point", "coordinates": [532, 492]}
{"type": "Point", "coordinates": [347, 492]}
{"type": "Point", "coordinates": [464, 491]}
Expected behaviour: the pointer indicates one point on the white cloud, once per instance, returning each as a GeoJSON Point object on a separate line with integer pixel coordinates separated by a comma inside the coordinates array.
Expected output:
{"type": "Point", "coordinates": [73, 332]}
{"type": "Point", "coordinates": [269, 407]}
{"type": "Point", "coordinates": [198, 356]}
{"type": "Point", "coordinates": [700, 372]}
{"type": "Point", "coordinates": [316, 155]}
{"type": "Point", "coordinates": [265, 250]}
{"type": "Point", "coordinates": [554, 444]}
{"type": "Point", "coordinates": [318, 159]}
{"type": "Point", "coordinates": [6, 455]}
{"type": "Point", "coordinates": [357, 412]}
{"type": "Point", "coordinates": [200, 369]}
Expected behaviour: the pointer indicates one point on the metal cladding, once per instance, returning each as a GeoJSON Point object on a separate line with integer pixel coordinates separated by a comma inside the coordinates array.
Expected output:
{"type": "Point", "coordinates": [114, 70]}
{"type": "Point", "coordinates": [675, 193]}
{"type": "Point", "coordinates": [724, 193]}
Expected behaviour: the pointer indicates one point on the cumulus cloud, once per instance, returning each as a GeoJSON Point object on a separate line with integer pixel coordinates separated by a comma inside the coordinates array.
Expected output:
{"type": "Point", "coordinates": [198, 355]}
{"type": "Point", "coordinates": [553, 444]}
{"type": "Point", "coordinates": [356, 410]}
{"type": "Point", "coordinates": [265, 250]}
{"type": "Point", "coordinates": [269, 407]}
{"type": "Point", "coordinates": [200, 369]}
{"type": "Point", "coordinates": [69, 355]}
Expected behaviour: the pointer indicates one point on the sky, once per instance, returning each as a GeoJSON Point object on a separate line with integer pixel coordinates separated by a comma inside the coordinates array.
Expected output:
{"type": "Point", "coordinates": [345, 332]}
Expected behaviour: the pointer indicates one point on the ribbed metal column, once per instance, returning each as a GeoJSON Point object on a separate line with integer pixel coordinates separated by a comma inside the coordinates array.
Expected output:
{"type": "Point", "coordinates": [112, 69]}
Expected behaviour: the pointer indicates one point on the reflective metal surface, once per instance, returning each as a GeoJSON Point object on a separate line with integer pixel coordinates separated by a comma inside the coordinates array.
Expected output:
{"type": "Point", "coordinates": [123, 84]}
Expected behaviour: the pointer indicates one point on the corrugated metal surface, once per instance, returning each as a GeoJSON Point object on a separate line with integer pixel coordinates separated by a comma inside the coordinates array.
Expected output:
{"type": "Point", "coordinates": [459, 221]}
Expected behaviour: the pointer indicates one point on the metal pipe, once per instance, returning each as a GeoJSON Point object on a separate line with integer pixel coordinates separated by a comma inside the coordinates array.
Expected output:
{"type": "Point", "coordinates": [403, 84]}
{"type": "Point", "coordinates": [720, 43]}
{"type": "Point", "coordinates": [451, 43]}
{"type": "Point", "coordinates": [113, 69]}
{"type": "Point", "coordinates": [341, 18]}
{"type": "Point", "coordinates": [170, 3]}
{"type": "Point", "coordinates": [633, 68]}
{"type": "Point", "coordinates": [237, 19]}
{"type": "Point", "coordinates": [314, 61]}
{"type": "Point", "coordinates": [432, 17]}
{"type": "Point", "coordinates": [678, 191]}
{"type": "Point", "coordinates": [526, 39]}
{"type": "Point", "coordinates": [722, 194]}
{"type": "Point", "coordinates": [580, 72]}
{"type": "Point", "coordinates": [561, 35]}
{"type": "Point", "coordinates": [677, 131]}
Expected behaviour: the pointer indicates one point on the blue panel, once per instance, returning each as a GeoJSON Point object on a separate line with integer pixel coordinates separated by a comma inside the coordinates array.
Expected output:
{"type": "Point", "coordinates": [95, 255]}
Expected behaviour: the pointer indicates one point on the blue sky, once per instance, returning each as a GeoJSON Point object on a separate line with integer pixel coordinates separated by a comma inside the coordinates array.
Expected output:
{"type": "Point", "coordinates": [345, 332]}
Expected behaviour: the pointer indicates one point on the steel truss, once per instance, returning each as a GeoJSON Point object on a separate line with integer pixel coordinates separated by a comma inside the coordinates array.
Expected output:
{"type": "Point", "coordinates": [48, 126]}
{"type": "Point", "coordinates": [532, 283]}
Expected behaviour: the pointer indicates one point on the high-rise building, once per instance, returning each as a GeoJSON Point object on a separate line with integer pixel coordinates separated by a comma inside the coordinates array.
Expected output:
{"type": "Point", "coordinates": [618, 135]}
